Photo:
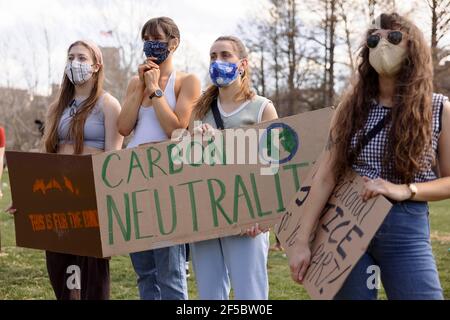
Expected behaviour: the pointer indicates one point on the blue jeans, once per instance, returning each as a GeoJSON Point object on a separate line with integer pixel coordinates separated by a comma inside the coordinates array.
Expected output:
{"type": "Point", "coordinates": [161, 273]}
{"type": "Point", "coordinates": [401, 249]}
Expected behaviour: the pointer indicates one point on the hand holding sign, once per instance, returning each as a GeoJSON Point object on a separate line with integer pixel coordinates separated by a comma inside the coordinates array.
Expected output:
{"type": "Point", "coordinates": [11, 210]}
{"type": "Point", "coordinates": [205, 129]}
{"type": "Point", "coordinates": [373, 188]}
{"type": "Point", "coordinates": [299, 261]}
{"type": "Point", "coordinates": [255, 231]}
{"type": "Point", "coordinates": [345, 227]}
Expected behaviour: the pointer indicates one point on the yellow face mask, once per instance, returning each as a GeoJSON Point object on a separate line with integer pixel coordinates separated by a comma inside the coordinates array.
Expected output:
{"type": "Point", "coordinates": [387, 58]}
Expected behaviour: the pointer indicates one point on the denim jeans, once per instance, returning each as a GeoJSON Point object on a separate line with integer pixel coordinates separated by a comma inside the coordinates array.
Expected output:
{"type": "Point", "coordinates": [401, 249]}
{"type": "Point", "coordinates": [161, 273]}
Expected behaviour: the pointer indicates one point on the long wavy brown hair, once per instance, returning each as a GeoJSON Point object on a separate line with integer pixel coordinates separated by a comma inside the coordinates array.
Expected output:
{"type": "Point", "coordinates": [203, 104]}
{"type": "Point", "coordinates": [66, 95]}
{"type": "Point", "coordinates": [411, 130]}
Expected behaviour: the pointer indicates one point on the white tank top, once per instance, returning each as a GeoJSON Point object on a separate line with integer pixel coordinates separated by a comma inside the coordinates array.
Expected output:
{"type": "Point", "coordinates": [148, 129]}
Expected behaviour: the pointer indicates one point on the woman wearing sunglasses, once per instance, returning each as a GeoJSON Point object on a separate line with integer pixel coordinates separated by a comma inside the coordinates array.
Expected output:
{"type": "Point", "coordinates": [394, 131]}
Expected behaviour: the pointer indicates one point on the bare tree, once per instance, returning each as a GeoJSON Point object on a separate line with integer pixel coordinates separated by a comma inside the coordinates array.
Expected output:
{"type": "Point", "coordinates": [440, 27]}
{"type": "Point", "coordinates": [289, 57]}
{"type": "Point", "coordinates": [330, 23]}
{"type": "Point", "coordinates": [123, 20]}
{"type": "Point", "coordinates": [49, 57]}
{"type": "Point", "coordinates": [344, 17]}
{"type": "Point", "coordinates": [290, 31]}
{"type": "Point", "coordinates": [264, 39]}
{"type": "Point", "coordinates": [258, 47]}
{"type": "Point", "coordinates": [188, 60]}
{"type": "Point", "coordinates": [274, 31]}
{"type": "Point", "coordinates": [324, 34]}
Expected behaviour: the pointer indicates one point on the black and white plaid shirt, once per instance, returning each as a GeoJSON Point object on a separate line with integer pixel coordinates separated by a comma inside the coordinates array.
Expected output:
{"type": "Point", "coordinates": [369, 163]}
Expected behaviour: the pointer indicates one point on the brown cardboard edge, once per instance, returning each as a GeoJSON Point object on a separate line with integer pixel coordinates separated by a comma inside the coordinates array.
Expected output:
{"type": "Point", "coordinates": [99, 247]}
{"type": "Point", "coordinates": [98, 251]}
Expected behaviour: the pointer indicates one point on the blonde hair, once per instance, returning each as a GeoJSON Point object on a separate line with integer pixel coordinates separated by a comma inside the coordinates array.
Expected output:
{"type": "Point", "coordinates": [203, 104]}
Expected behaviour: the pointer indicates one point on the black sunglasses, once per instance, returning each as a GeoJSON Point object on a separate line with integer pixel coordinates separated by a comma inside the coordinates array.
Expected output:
{"type": "Point", "coordinates": [394, 37]}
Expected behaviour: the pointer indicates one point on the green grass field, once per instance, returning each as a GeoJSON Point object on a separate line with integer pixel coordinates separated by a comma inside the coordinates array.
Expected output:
{"type": "Point", "coordinates": [23, 274]}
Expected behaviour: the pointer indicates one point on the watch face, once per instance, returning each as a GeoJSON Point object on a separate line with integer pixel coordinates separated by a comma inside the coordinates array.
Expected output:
{"type": "Point", "coordinates": [159, 93]}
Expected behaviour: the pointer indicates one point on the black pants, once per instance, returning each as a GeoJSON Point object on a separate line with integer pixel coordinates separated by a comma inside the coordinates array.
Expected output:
{"type": "Point", "coordinates": [77, 277]}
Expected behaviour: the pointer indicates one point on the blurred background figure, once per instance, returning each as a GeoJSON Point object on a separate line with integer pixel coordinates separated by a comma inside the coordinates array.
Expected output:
{"type": "Point", "coordinates": [277, 245]}
{"type": "Point", "coordinates": [2, 153]}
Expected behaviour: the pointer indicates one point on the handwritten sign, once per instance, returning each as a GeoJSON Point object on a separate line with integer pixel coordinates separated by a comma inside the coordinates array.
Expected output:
{"type": "Point", "coordinates": [345, 228]}
{"type": "Point", "coordinates": [144, 199]}
{"type": "Point", "coordinates": [55, 199]}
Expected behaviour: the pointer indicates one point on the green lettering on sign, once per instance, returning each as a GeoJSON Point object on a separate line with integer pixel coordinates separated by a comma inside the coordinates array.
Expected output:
{"type": "Point", "coordinates": [153, 162]}
{"type": "Point", "coordinates": [159, 215]}
{"type": "Point", "coordinates": [105, 169]}
{"type": "Point", "coordinates": [136, 213]}
{"type": "Point", "coordinates": [135, 163]}
{"type": "Point", "coordinates": [112, 209]}
{"type": "Point", "coordinates": [172, 169]}
{"type": "Point", "coordinates": [215, 201]}
{"type": "Point", "coordinates": [239, 185]}
{"type": "Point", "coordinates": [193, 203]}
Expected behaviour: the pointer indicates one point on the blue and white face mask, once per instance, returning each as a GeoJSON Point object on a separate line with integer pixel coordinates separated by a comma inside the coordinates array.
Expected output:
{"type": "Point", "coordinates": [156, 49]}
{"type": "Point", "coordinates": [223, 73]}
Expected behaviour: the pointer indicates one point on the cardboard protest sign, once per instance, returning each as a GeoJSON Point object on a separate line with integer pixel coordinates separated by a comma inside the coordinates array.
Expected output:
{"type": "Point", "coordinates": [145, 199]}
{"type": "Point", "coordinates": [345, 228]}
{"type": "Point", "coordinates": [55, 199]}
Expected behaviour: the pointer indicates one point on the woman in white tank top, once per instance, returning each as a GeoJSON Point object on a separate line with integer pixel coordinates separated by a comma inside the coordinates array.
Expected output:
{"type": "Point", "coordinates": [158, 101]}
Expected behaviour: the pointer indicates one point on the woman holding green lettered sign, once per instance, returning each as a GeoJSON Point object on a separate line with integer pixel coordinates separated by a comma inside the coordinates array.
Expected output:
{"type": "Point", "coordinates": [158, 101]}
{"type": "Point", "coordinates": [83, 120]}
{"type": "Point", "coordinates": [395, 132]}
{"type": "Point", "coordinates": [230, 103]}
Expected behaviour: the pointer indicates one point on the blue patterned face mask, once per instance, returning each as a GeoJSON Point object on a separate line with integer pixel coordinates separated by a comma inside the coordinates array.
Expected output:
{"type": "Point", "coordinates": [223, 73]}
{"type": "Point", "coordinates": [156, 49]}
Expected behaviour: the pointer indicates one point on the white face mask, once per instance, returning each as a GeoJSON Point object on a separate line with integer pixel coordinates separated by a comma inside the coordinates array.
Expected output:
{"type": "Point", "coordinates": [387, 58]}
{"type": "Point", "coordinates": [78, 72]}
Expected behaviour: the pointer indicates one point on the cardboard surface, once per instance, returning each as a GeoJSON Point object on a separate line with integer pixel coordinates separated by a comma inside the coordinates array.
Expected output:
{"type": "Point", "coordinates": [144, 200]}
{"type": "Point", "coordinates": [55, 199]}
{"type": "Point", "coordinates": [346, 226]}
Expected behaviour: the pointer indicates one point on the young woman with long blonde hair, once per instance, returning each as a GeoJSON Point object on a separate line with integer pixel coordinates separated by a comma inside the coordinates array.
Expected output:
{"type": "Point", "coordinates": [83, 120]}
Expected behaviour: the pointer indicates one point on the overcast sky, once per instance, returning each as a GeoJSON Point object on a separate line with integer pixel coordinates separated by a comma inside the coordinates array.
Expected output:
{"type": "Point", "coordinates": [23, 52]}
{"type": "Point", "coordinates": [22, 24]}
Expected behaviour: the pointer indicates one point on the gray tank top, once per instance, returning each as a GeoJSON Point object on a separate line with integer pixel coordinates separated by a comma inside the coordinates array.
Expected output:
{"type": "Point", "coordinates": [94, 128]}
{"type": "Point", "coordinates": [248, 113]}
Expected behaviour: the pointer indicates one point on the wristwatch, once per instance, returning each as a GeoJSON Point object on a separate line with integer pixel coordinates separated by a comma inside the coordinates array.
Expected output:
{"type": "Point", "coordinates": [158, 93]}
{"type": "Point", "coordinates": [413, 188]}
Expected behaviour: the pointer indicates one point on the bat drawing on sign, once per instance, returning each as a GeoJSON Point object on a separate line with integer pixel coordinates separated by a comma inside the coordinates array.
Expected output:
{"type": "Point", "coordinates": [41, 186]}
